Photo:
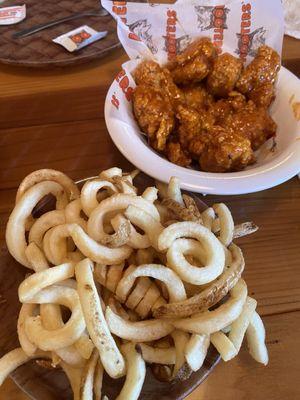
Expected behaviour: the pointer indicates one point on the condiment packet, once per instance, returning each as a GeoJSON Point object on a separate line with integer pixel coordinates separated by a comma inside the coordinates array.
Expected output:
{"type": "Point", "coordinates": [79, 38]}
{"type": "Point", "coordinates": [12, 15]}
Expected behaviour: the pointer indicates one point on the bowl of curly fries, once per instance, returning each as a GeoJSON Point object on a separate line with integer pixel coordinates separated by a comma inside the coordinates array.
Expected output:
{"type": "Point", "coordinates": [129, 292]}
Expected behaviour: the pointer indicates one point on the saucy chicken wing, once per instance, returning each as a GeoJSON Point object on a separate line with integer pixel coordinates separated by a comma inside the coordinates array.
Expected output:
{"type": "Point", "coordinates": [154, 114]}
{"type": "Point", "coordinates": [226, 151]}
{"type": "Point", "coordinates": [194, 64]}
{"type": "Point", "coordinates": [177, 155]}
{"type": "Point", "coordinates": [224, 74]}
{"type": "Point", "coordinates": [193, 129]}
{"type": "Point", "coordinates": [253, 123]}
{"type": "Point", "coordinates": [197, 97]}
{"type": "Point", "coordinates": [263, 69]}
{"type": "Point", "coordinates": [149, 73]}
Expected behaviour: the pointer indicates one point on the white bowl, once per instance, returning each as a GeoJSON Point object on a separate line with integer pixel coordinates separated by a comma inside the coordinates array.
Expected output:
{"type": "Point", "coordinates": [271, 168]}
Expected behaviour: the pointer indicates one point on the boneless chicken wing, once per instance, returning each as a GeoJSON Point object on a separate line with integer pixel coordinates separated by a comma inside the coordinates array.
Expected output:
{"type": "Point", "coordinates": [253, 123]}
{"type": "Point", "coordinates": [149, 73]}
{"type": "Point", "coordinates": [197, 97]}
{"type": "Point", "coordinates": [224, 74]}
{"type": "Point", "coordinates": [154, 114]}
{"type": "Point", "coordinates": [263, 95]}
{"type": "Point", "coordinates": [177, 155]}
{"type": "Point", "coordinates": [193, 130]}
{"type": "Point", "coordinates": [226, 151]}
{"type": "Point", "coordinates": [194, 64]}
{"type": "Point", "coordinates": [263, 69]}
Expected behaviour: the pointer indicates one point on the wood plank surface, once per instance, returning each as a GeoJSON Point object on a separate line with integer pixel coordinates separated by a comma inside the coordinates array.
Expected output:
{"type": "Point", "coordinates": [55, 119]}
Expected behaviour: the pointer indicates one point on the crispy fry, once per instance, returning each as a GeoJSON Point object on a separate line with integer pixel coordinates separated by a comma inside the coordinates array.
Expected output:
{"type": "Point", "coordinates": [226, 223]}
{"type": "Point", "coordinates": [158, 355]}
{"type": "Point", "coordinates": [180, 341]}
{"type": "Point", "coordinates": [138, 292]}
{"type": "Point", "coordinates": [209, 322]}
{"type": "Point", "coordinates": [150, 194]}
{"type": "Point", "coordinates": [98, 380]}
{"type": "Point", "coordinates": [36, 257]}
{"type": "Point", "coordinates": [44, 223]}
{"type": "Point", "coordinates": [136, 372]}
{"type": "Point", "coordinates": [27, 310]}
{"type": "Point", "coordinates": [187, 271]}
{"type": "Point", "coordinates": [38, 281]}
{"type": "Point", "coordinates": [256, 339]}
{"type": "Point", "coordinates": [15, 229]}
{"type": "Point", "coordinates": [181, 212]}
{"type": "Point", "coordinates": [144, 307]}
{"type": "Point", "coordinates": [146, 222]}
{"type": "Point", "coordinates": [89, 193]}
{"type": "Point", "coordinates": [87, 378]}
{"type": "Point", "coordinates": [173, 191]}
{"type": "Point", "coordinates": [110, 355]}
{"type": "Point", "coordinates": [114, 275]}
{"type": "Point", "coordinates": [247, 228]}
{"type": "Point", "coordinates": [117, 202]}
{"type": "Point", "coordinates": [13, 360]}
{"type": "Point", "coordinates": [211, 295]}
{"type": "Point", "coordinates": [148, 330]}
{"type": "Point", "coordinates": [240, 325]}
{"type": "Point", "coordinates": [73, 213]}
{"type": "Point", "coordinates": [223, 345]}
{"type": "Point", "coordinates": [62, 337]}
{"type": "Point", "coordinates": [196, 350]}
{"type": "Point", "coordinates": [52, 175]}
{"type": "Point", "coordinates": [156, 271]}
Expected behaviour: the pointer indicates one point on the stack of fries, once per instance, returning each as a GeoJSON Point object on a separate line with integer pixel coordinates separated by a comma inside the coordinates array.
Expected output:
{"type": "Point", "coordinates": [147, 279]}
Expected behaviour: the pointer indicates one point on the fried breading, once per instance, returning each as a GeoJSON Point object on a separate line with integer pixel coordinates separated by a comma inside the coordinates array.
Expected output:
{"type": "Point", "coordinates": [264, 68]}
{"type": "Point", "coordinates": [154, 114]}
{"type": "Point", "coordinates": [177, 155]}
{"type": "Point", "coordinates": [194, 64]}
{"type": "Point", "coordinates": [253, 123]}
{"type": "Point", "coordinates": [193, 129]}
{"type": "Point", "coordinates": [226, 151]}
{"type": "Point", "coordinates": [149, 73]}
{"type": "Point", "coordinates": [197, 96]}
{"type": "Point", "coordinates": [263, 95]}
{"type": "Point", "coordinates": [224, 74]}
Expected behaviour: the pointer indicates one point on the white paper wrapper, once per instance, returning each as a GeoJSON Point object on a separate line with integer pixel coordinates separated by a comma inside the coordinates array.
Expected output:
{"type": "Point", "coordinates": [160, 31]}
{"type": "Point", "coordinates": [12, 15]}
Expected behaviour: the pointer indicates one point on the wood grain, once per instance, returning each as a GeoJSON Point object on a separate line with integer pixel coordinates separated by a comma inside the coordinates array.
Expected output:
{"type": "Point", "coordinates": [55, 119]}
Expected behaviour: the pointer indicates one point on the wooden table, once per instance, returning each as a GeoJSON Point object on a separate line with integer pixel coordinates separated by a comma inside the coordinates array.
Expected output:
{"type": "Point", "coordinates": [55, 119]}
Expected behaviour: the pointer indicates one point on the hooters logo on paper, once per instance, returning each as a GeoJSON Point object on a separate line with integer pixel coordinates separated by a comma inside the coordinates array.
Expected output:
{"type": "Point", "coordinates": [213, 18]}
{"type": "Point", "coordinates": [174, 45]}
{"type": "Point", "coordinates": [124, 85]}
{"type": "Point", "coordinates": [249, 42]}
{"type": "Point", "coordinates": [120, 9]}
{"type": "Point", "coordinates": [141, 30]}
{"type": "Point", "coordinates": [178, 45]}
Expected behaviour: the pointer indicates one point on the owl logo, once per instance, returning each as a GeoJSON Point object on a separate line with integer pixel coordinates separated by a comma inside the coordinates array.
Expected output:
{"type": "Point", "coordinates": [142, 29]}
{"type": "Point", "coordinates": [207, 16]}
{"type": "Point", "coordinates": [256, 39]}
